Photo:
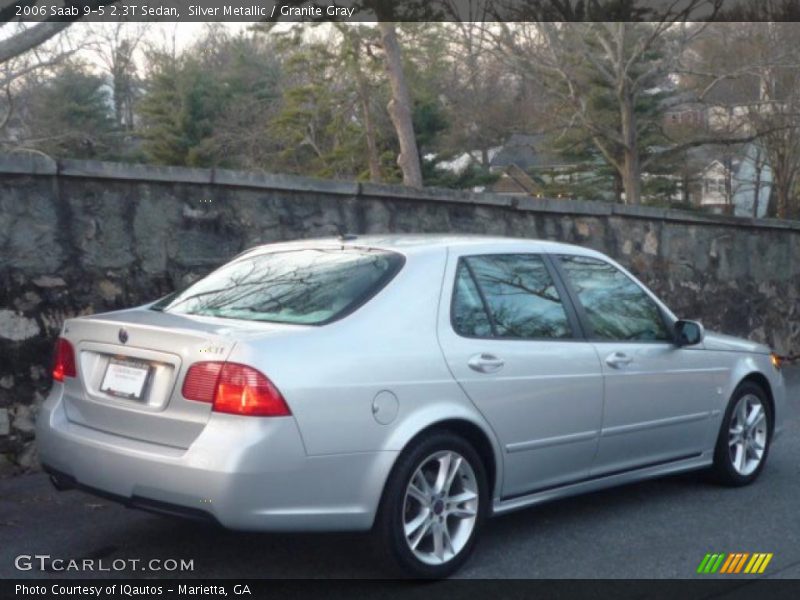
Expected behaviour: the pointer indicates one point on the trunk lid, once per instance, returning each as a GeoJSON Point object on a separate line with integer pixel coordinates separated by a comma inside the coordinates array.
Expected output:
{"type": "Point", "coordinates": [149, 353]}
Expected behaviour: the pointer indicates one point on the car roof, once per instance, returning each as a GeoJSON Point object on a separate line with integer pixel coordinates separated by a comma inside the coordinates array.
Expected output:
{"type": "Point", "coordinates": [419, 243]}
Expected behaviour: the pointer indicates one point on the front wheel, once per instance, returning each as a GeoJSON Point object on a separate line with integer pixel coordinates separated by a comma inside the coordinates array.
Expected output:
{"type": "Point", "coordinates": [434, 505]}
{"type": "Point", "coordinates": [743, 442]}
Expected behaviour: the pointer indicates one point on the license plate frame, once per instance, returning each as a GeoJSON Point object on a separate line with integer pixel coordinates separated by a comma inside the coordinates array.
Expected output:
{"type": "Point", "coordinates": [126, 378]}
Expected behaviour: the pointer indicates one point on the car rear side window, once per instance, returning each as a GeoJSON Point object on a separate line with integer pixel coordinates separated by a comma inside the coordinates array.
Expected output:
{"type": "Point", "coordinates": [469, 313]}
{"type": "Point", "coordinates": [519, 294]}
{"type": "Point", "coordinates": [615, 306]}
{"type": "Point", "coordinates": [307, 286]}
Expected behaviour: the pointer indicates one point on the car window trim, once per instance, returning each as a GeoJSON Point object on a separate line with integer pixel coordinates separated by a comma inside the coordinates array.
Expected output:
{"type": "Point", "coordinates": [580, 332]}
{"type": "Point", "coordinates": [581, 311]}
{"type": "Point", "coordinates": [576, 331]}
{"type": "Point", "coordinates": [471, 273]}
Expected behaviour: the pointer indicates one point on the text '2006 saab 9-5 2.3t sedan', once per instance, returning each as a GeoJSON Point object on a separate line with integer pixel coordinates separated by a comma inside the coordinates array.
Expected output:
{"type": "Point", "coordinates": [413, 385]}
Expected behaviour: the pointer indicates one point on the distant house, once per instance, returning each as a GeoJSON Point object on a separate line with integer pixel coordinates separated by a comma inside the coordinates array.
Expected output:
{"type": "Point", "coordinates": [734, 186]}
{"type": "Point", "coordinates": [710, 191]}
{"type": "Point", "coordinates": [721, 180]}
{"type": "Point", "coordinates": [725, 107]}
{"type": "Point", "coordinates": [528, 162]}
{"type": "Point", "coordinates": [731, 179]}
{"type": "Point", "coordinates": [460, 163]}
{"type": "Point", "coordinates": [514, 181]}
{"type": "Point", "coordinates": [524, 164]}
{"type": "Point", "coordinates": [529, 152]}
{"type": "Point", "coordinates": [688, 114]}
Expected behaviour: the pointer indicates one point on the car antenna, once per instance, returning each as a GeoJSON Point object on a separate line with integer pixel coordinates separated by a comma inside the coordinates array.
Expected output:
{"type": "Point", "coordinates": [344, 236]}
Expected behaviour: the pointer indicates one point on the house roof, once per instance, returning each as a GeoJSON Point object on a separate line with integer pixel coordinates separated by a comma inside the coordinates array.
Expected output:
{"type": "Point", "coordinates": [708, 158]}
{"type": "Point", "coordinates": [515, 181]}
{"type": "Point", "coordinates": [519, 150]}
{"type": "Point", "coordinates": [528, 151]}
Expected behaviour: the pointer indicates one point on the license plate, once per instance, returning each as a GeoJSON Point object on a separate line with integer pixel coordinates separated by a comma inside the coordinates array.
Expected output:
{"type": "Point", "coordinates": [125, 378]}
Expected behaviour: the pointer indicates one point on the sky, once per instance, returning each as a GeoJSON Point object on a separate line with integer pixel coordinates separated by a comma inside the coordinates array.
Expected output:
{"type": "Point", "coordinates": [183, 34]}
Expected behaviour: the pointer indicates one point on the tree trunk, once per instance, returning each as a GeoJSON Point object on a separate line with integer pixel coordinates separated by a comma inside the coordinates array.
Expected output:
{"type": "Point", "coordinates": [33, 36]}
{"type": "Point", "coordinates": [757, 191]}
{"type": "Point", "coordinates": [782, 182]}
{"type": "Point", "coordinates": [631, 169]}
{"type": "Point", "coordinates": [373, 158]}
{"type": "Point", "coordinates": [362, 89]}
{"type": "Point", "coordinates": [631, 180]}
{"type": "Point", "coordinates": [618, 187]}
{"type": "Point", "coordinates": [782, 196]}
{"type": "Point", "coordinates": [118, 97]}
{"type": "Point", "coordinates": [772, 202]}
{"type": "Point", "coordinates": [685, 198]}
{"type": "Point", "coordinates": [400, 107]}
{"type": "Point", "coordinates": [728, 162]}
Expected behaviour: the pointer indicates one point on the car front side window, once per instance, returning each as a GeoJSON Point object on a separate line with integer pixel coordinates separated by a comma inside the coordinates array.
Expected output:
{"type": "Point", "coordinates": [615, 306]}
{"type": "Point", "coordinates": [519, 294]}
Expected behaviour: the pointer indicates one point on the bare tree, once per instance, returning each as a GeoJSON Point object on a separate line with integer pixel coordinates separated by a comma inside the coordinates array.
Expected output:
{"type": "Point", "coordinates": [776, 115]}
{"type": "Point", "coordinates": [20, 73]}
{"type": "Point", "coordinates": [486, 99]}
{"type": "Point", "coordinates": [750, 73]}
{"type": "Point", "coordinates": [26, 50]}
{"type": "Point", "coordinates": [355, 46]}
{"type": "Point", "coordinates": [387, 13]}
{"type": "Point", "coordinates": [400, 107]}
{"type": "Point", "coordinates": [115, 45]}
{"type": "Point", "coordinates": [625, 59]}
{"type": "Point", "coordinates": [29, 38]}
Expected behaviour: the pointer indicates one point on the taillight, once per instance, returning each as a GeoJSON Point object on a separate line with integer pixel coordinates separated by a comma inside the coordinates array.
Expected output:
{"type": "Point", "coordinates": [234, 388]}
{"type": "Point", "coordinates": [200, 382]}
{"type": "Point", "coordinates": [64, 361]}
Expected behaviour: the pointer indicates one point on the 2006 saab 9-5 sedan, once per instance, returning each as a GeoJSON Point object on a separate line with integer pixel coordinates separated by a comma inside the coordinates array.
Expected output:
{"type": "Point", "coordinates": [413, 385]}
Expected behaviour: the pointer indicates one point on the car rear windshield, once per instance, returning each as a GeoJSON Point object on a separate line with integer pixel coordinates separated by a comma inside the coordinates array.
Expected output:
{"type": "Point", "coordinates": [308, 286]}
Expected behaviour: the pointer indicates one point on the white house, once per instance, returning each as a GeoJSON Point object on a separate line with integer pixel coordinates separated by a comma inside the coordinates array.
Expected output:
{"type": "Point", "coordinates": [735, 188]}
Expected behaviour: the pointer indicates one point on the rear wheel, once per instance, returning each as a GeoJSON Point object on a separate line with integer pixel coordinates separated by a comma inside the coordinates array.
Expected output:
{"type": "Point", "coordinates": [434, 505]}
{"type": "Point", "coordinates": [744, 438]}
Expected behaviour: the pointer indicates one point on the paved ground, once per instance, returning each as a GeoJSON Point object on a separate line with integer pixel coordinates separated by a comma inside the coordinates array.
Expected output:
{"type": "Point", "coordinates": [650, 530]}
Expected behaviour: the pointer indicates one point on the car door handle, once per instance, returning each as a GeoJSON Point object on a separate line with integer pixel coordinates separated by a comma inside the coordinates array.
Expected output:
{"type": "Point", "coordinates": [485, 363]}
{"type": "Point", "coordinates": [618, 359]}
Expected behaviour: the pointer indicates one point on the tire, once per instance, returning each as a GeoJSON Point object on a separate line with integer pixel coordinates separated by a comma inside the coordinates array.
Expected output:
{"type": "Point", "coordinates": [737, 461]}
{"type": "Point", "coordinates": [431, 513]}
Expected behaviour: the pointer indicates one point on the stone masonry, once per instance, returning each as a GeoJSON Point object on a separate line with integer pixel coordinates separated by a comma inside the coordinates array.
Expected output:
{"type": "Point", "coordinates": [79, 237]}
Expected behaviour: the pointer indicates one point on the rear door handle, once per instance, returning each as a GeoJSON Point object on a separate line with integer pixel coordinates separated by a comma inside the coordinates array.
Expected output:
{"type": "Point", "coordinates": [618, 359]}
{"type": "Point", "coordinates": [485, 363]}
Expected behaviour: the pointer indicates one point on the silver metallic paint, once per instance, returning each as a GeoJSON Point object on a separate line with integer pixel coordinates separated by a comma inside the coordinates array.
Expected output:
{"type": "Point", "coordinates": [556, 416]}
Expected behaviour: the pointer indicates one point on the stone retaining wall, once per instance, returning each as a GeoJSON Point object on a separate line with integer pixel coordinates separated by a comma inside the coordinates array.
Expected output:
{"type": "Point", "coordinates": [78, 237]}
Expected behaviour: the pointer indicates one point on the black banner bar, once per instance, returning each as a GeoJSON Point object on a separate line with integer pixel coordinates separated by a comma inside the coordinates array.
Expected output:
{"type": "Point", "coordinates": [397, 10]}
{"type": "Point", "coordinates": [113, 589]}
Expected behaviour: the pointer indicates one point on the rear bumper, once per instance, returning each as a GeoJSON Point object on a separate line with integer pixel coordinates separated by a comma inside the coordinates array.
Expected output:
{"type": "Point", "coordinates": [63, 482]}
{"type": "Point", "coordinates": [245, 473]}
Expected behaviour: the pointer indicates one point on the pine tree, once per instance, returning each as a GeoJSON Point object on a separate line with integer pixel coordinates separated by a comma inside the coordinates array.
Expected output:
{"type": "Point", "coordinates": [211, 105]}
{"type": "Point", "coordinates": [70, 115]}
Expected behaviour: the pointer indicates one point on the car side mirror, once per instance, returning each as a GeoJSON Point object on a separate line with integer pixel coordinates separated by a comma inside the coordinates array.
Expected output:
{"type": "Point", "coordinates": [688, 333]}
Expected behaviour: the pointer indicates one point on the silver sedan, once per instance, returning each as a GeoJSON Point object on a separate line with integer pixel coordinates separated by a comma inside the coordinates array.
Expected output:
{"type": "Point", "coordinates": [412, 385]}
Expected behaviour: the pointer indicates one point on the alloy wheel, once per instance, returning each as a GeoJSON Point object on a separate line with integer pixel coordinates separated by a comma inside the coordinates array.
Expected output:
{"type": "Point", "coordinates": [747, 434]}
{"type": "Point", "coordinates": [440, 507]}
